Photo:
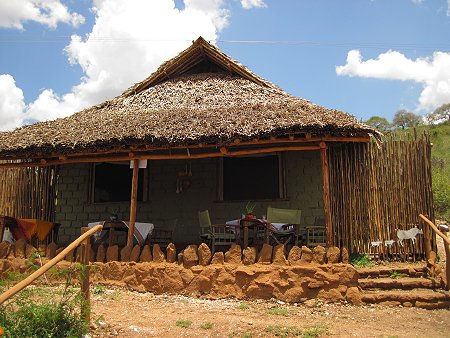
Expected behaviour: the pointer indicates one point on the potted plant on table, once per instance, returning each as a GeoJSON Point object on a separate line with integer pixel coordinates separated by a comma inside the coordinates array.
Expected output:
{"type": "Point", "coordinates": [249, 208]}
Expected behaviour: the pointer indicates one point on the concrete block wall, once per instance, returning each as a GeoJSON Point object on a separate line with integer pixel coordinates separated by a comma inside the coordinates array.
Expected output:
{"type": "Point", "coordinates": [164, 205]}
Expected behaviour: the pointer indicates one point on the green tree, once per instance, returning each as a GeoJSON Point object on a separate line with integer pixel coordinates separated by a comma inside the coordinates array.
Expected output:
{"type": "Point", "coordinates": [441, 113]}
{"type": "Point", "coordinates": [405, 119]}
{"type": "Point", "coordinates": [378, 122]}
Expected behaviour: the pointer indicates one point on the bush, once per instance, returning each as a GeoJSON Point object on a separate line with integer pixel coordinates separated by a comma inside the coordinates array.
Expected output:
{"type": "Point", "coordinates": [441, 195]}
{"type": "Point", "coordinates": [42, 320]}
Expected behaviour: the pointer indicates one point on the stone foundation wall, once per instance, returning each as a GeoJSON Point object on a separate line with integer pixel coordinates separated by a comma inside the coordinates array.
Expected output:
{"type": "Point", "coordinates": [302, 275]}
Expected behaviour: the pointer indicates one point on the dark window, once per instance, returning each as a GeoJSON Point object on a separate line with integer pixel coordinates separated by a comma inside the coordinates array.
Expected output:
{"type": "Point", "coordinates": [112, 182]}
{"type": "Point", "coordinates": [251, 178]}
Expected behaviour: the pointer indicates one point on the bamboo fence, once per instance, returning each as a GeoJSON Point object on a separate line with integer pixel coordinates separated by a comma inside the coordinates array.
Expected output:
{"type": "Point", "coordinates": [28, 192]}
{"type": "Point", "coordinates": [379, 189]}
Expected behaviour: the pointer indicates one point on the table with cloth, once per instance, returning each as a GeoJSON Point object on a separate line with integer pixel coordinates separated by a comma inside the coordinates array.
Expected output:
{"type": "Point", "coordinates": [141, 230]}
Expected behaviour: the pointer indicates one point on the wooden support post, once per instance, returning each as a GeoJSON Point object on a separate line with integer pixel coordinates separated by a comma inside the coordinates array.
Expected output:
{"type": "Point", "coordinates": [326, 193]}
{"type": "Point", "coordinates": [133, 205]}
{"type": "Point", "coordinates": [85, 283]}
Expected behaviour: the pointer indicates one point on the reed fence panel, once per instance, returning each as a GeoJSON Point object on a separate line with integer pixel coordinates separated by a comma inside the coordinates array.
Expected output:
{"type": "Point", "coordinates": [28, 192]}
{"type": "Point", "coordinates": [377, 190]}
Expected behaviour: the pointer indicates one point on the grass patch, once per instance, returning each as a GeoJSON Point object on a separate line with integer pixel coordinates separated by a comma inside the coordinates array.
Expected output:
{"type": "Point", "coordinates": [361, 261]}
{"type": "Point", "coordinates": [395, 275]}
{"type": "Point", "coordinates": [98, 290]}
{"type": "Point", "coordinates": [284, 331]}
{"type": "Point", "coordinates": [243, 306]}
{"type": "Point", "coordinates": [247, 335]}
{"type": "Point", "coordinates": [183, 323]}
{"type": "Point", "coordinates": [207, 326]}
{"type": "Point", "coordinates": [314, 331]}
{"type": "Point", "coordinates": [278, 312]}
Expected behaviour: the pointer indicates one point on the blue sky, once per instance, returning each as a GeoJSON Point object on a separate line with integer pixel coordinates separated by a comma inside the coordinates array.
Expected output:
{"type": "Point", "coordinates": [365, 57]}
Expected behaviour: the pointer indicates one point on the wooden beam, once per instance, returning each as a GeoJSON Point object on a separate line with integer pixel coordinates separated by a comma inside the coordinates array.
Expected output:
{"type": "Point", "coordinates": [307, 139]}
{"type": "Point", "coordinates": [43, 269]}
{"type": "Point", "coordinates": [142, 156]}
{"type": "Point", "coordinates": [133, 204]}
{"type": "Point", "coordinates": [326, 193]}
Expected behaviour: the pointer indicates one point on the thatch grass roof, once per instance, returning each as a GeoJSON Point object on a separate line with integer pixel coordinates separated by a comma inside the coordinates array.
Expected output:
{"type": "Point", "coordinates": [200, 96]}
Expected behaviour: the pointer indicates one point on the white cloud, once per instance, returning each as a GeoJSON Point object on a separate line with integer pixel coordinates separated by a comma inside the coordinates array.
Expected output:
{"type": "Point", "coordinates": [247, 4]}
{"type": "Point", "coordinates": [47, 12]}
{"type": "Point", "coordinates": [129, 40]}
{"type": "Point", "coordinates": [432, 72]}
{"type": "Point", "coordinates": [11, 103]}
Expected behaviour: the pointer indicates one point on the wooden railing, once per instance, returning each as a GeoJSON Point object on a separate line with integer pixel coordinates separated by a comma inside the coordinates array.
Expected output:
{"type": "Point", "coordinates": [446, 248]}
{"type": "Point", "coordinates": [84, 241]}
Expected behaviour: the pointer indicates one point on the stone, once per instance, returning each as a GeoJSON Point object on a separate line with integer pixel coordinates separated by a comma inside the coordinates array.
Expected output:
{"type": "Point", "coordinates": [307, 255]}
{"type": "Point", "coordinates": [125, 253]}
{"type": "Point", "coordinates": [180, 258]}
{"type": "Point", "coordinates": [158, 255]}
{"type": "Point", "coordinates": [190, 256]}
{"type": "Point", "coordinates": [344, 256]}
{"type": "Point", "coordinates": [333, 255]}
{"type": "Point", "coordinates": [354, 295]}
{"type": "Point", "coordinates": [265, 255]}
{"type": "Point", "coordinates": [234, 255]}
{"type": "Point", "coordinates": [5, 249]}
{"type": "Point", "coordinates": [50, 250]}
{"type": "Point", "coordinates": [101, 254]}
{"type": "Point", "coordinates": [218, 258]}
{"type": "Point", "coordinates": [279, 257]}
{"type": "Point", "coordinates": [249, 255]}
{"type": "Point", "coordinates": [294, 255]}
{"type": "Point", "coordinates": [69, 256]}
{"type": "Point", "coordinates": [134, 256]}
{"type": "Point", "coordinates": [19, 248]}
{"type": "Point", "coordinates": [146, 254]}
{"type": "Point", "coordinates": [112, 253]}
{"type": "Point", "coordinates": [171, 253]}
{"type": "Point", "coordinates": [204, 254]}
{"type": "Point", "coordinates": [319, 254]}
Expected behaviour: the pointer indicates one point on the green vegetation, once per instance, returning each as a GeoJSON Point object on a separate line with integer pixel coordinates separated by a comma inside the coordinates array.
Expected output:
{"type": "Point", "coordinates": [207, 326]}
{"type": "Point", "coordinates": [278, 312]}
{"type": "Point", "coordinates": [395, 275]}
{"type": "Point", "coordinates": [183, 323]}
{"type": "Point", "coordinates": [243, 306]}
{"type": "Point", "coordinates": [314, 331]}
{"type": "Point", "coordinates": [361, 261]}
{"type": "Point", "coordinates": [284, 331]}
{"type": "Point", "coordinates": [247, 335]}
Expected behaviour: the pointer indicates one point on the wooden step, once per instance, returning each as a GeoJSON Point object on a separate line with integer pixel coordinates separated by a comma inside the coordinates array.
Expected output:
{"type": "Point", "coordinates": [400, 283]}
{"type": "Point", "coordinates": [377, 272]}
{"type": "Point", "coordinates": [421, 298]}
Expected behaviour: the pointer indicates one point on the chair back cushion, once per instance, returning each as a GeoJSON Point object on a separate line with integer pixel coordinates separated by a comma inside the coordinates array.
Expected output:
{"type": "Point", "coordinates": [289, 216]}
{"type": "Point", "coordinates": [204, 220]}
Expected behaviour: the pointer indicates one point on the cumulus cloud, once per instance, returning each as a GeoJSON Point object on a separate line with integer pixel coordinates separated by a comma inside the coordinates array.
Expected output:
{"type": "Point", "coordinates": [432, 72]}
{"type": "Point", "coordinates": [248, 4]}
{"type": "Point", "coordinates": [129, 40]}
{"type": "Point", "coordinates": [12, 104]}
{"type": "Point", "coordinates": [46, 12]}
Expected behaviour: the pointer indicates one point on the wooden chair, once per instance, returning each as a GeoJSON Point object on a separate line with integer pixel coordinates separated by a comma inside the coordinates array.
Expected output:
{"type": "Point", "coordinates": [163, 236]}
{"type": "Point", "coordinates": [316, 234]}
{"type": "Point", "coordinates": [291, 217]}
{"type": "Point", "coordinates": [217, 234]}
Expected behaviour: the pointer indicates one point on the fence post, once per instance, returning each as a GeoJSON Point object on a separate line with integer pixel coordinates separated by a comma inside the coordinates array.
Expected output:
{"type": "Point", "coordinates": [84, 276]}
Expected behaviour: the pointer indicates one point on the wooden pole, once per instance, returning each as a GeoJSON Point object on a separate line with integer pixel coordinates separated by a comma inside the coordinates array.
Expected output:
{"type": "Point", "coordinates": [85, 253]}
{"type": "Point", "coordinates": [326, 193]}
{"type": "Point", "coordinates": [133, 205]}
{"type": "Point", "coordinates": [31, 278]}
{"type": "Point", "coordinates": [446, 248]}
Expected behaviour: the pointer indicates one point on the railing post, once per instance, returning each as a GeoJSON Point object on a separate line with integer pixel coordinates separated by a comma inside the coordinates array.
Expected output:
{"type": "Point", "coordinates": [84, 276]}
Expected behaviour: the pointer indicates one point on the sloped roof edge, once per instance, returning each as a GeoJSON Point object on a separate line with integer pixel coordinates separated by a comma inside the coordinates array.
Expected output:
{"type": "Point", "coordinates": [198, 51]}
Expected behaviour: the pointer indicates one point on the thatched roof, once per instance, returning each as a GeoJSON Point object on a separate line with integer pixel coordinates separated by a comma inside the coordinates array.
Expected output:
{"type": "Point", "coordinates": [200, 96]}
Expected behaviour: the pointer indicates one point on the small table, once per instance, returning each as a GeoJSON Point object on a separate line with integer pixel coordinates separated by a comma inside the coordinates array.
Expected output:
{"type": "Point", "coordinates": [141, 230]}
{"type": "Point", "coordinates": [246, 224]}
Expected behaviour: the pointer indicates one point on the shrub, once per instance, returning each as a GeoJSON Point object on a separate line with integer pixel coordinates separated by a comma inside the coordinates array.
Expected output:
{"type": "Point", "coordinates": [361, 260]}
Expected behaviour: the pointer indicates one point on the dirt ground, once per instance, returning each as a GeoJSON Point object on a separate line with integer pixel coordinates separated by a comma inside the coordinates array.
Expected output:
{"type": "Point", "coordinates": [130, 314]}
